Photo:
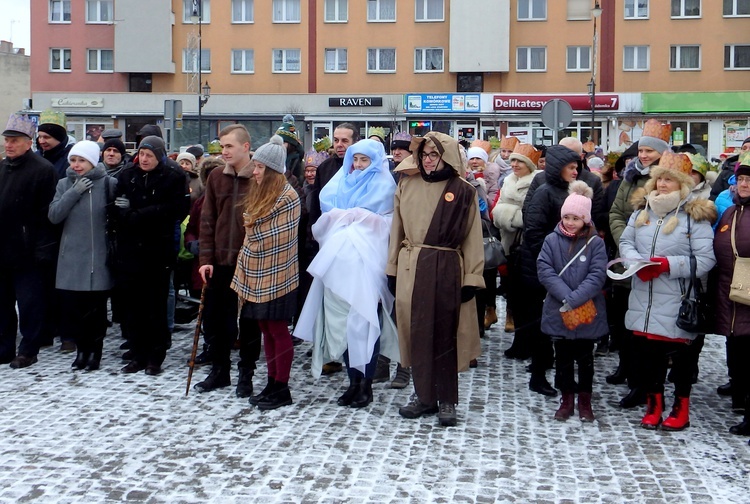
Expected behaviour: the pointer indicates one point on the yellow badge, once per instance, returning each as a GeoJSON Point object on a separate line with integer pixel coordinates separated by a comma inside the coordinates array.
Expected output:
{"type": "Point", "coordinates": [724, 228]}
{"type": "Point", "coordinates": [449, 197]}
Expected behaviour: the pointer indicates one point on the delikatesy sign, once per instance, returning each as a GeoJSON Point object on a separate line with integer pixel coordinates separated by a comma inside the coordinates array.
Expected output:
{"type": "Point", "coordinates": [536, 102]}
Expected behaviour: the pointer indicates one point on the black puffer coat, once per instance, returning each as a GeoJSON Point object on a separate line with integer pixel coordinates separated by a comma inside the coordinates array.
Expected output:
{"type": "Point", "coordinates": [732, 319]}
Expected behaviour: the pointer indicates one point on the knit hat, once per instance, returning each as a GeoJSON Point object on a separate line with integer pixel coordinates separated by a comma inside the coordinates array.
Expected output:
{"type": "Point", "coordinates": [156, 145]}
{"type": "Point", "coordinates": [214, 147]}
{"type": "Point", "coordinates": [287, 131]}
{"type": "Point", "coordinates": [655, 135]}
{"type": "Point", "coordinates": [578, 203]}
{"type": "Point", "coordinates": [19, 125]}
{"type": "Point", "coordinates": [54, 123]}
{"type": "Point", "coordinates": [188, 156]}
{"type": "Point", "coordinates": [111, 133]}
{"type": "Point", "coordinates": [272, 154]}
{"type": "Point", "coordinates": [477, 152]}
{"type": "Point", "coordinates": [401, 140]}
{"type": "Point", "coordinates": [116, 143]}
{"type": "Point", "coordinates": [86, 149]}
{"type": "Point", "coordinates": [595, 163]}
{"type": "Point", "coordinates": [314, 158]}
{"type": "Point", "coordinates": [526, 153]}
{"type": "Point", "coordinates": [195, 150]}
{"type": "Point", "coordinates": [377, 131]}
{"type": "Point", "coordinates": [743, 166]}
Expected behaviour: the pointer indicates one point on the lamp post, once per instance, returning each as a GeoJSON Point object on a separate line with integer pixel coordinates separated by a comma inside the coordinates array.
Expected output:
{"type": "Point", "coordinates": [204, 93]}
{"type": "Point", "coordinates": [595, 12]}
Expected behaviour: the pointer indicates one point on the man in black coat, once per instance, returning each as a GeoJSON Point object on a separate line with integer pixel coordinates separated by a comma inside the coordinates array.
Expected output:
{"type": "Point", "coordinates": [29, 244]}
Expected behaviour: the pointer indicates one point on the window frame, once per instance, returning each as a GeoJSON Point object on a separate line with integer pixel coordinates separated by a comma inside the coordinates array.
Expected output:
{"type": "Point", "coordinates": [204, 51]}
{"type": "Point", "coordinates": [284, 60]}
{"type": "Point", "coordinates": [682, 14]}
{"type": "Point", "coordinates": [678, 49]}
{"type": "Point", "coordinates": [425, 19]}
{"type": "Point", "coordinates": [99, 60]}
{"type": "Point", "coordinates": [187, 11]}
{"type": "Point", "coordinates": [530, 11]}
{"type": "Point", "coordinates": [244, 11]}
{"type": "Point", "coordinates": [51, 13]}
{"type": "Point", "coordinates": [732, 48]}
{"type": "Point", "coordinates": [378, 20]}
{"type": "Point", "coordinates": [424, 58]}
{"type": "Point", "coordinates": [578, 67]}
{"type": "Point", "coordinates": [337, 13]}
{"type": "Point", "coordinates": [734, 10]}
{"type": "Point", "coordinates": [285, 19]}
{"type": "Point", "coordinates": [337, 62]}
{"type": "Point", "coordinates": [61, 51]}
{"type": "Point", "coordinates": [528, 59]}
{"type": "Point", "coordinates": [99, 11]}
{"type": "Point", "coordinates": [377, 58]}
{"type": "Point", "coordinates": [635, 58]}
{"type": "Point", "coordinates": [232, 69]}
{"type": "Point", "coordinates": [635, 16]}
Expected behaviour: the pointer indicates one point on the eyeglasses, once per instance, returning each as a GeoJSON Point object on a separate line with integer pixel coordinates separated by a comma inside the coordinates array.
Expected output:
{"type": "Point", "coordinates": [434, 156]}
{"type": "Point", "coordinates": [743, 179]}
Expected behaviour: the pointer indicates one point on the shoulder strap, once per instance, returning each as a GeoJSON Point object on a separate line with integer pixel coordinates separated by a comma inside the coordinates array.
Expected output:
{"type": "Point", "coordinates": [576, 256]}
{"type": "Point", "coordinates": [734, 228]}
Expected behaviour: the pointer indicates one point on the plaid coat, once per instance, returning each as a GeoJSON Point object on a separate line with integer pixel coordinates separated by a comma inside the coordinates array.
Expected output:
{"type": "Point", "coordinates": [267, 266]}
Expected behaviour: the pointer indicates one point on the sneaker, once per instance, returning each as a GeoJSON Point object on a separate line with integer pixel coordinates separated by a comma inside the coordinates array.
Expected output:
{"type": "Point", "coordinates": [402, 379]}
{"type": "Point", "coordinates": [447, 414]}
{"type": "Point", "coordinates": [415, 408]}
{"type": "Point", "coordinates": [22, 361]}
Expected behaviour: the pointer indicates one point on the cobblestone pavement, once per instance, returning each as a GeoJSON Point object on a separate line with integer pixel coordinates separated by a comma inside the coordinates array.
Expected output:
{"type": "Point", "coordinates": [106, 437]}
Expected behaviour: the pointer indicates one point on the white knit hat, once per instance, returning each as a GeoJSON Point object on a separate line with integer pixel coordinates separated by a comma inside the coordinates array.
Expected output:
{"type": "Point", "coordinates": [88, 150]}
{"type": "Point", "coordinates": [477, 152]}
{"type": "Point", "coordinates": [272, 154]}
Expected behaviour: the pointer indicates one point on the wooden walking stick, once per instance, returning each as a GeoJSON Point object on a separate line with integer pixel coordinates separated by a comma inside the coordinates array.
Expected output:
{"type": "Point", "coordinates": [196, 338]}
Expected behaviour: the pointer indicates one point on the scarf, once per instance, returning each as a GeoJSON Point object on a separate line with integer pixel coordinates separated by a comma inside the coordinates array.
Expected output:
{"type": "Point", "coordinates": [661, 205]}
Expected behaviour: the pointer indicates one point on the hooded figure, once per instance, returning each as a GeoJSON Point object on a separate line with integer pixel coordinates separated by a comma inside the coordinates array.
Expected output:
{"type": "Point", "coordinates": [295, 153]}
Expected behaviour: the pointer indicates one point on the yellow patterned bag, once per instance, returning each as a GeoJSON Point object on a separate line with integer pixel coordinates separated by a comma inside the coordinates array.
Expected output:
{"type": "Point", "coordinates": [584, 314]}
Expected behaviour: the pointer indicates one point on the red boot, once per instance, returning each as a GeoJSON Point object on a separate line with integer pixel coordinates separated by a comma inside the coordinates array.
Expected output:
{"type": "Point", "coordinates": [567, 405]}
{"type": "Point", "coordinates": [584, 407]}
{"type": "Point", "coordinates": [654, 409]}
{"type": "Point", "coordinates": [679, 417]}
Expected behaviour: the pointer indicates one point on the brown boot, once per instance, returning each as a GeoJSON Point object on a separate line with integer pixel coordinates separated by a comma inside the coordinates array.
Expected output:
{"type": "Point", "coordinates": [490, 317]}
{"type": "Point", "coordinates": [509, 325]}
{"type": "Point", "coordinates": [567, 405]}
{"type": "Point", "coordinates": [584, 407]}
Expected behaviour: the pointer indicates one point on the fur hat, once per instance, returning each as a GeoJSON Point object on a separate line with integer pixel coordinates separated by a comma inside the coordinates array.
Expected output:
{"type": "Point", "coordinates": [19, 125]}
{"type": "Point", "coordinates": [509, 143]}
{"type": "Point", "coordinates": [188, 156]}
{"type": "Point", "coordinates": [287, 131]}
{"type": "Point", "coordinates": [401, 140]}
{"type": "Point", "coordinates": [526, 153]}
{"type": "Point", "coordinates": [656, 135]}
{"type": "Point", "coordinates": [207, 165]}
{"type": "Point", "coordinates": [477, 152]}
{"type": "Point", "coordinates": [86, 149]}
{"type": "Point", "coordinates": [578, 203]}
{"type": "Point", "coordinates": [272, 154]}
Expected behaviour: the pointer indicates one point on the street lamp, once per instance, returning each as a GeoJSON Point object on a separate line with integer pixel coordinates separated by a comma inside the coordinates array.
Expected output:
{"type": "Point", "coordinates": [595, 12]}
{"type": "Point", "coordinates": [196, 16]}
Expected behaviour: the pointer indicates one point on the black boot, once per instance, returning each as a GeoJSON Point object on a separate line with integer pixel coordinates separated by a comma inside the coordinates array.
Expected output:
{"type": "Point", "coordinates": [363, 396]}
{"type": "Point", "coordinates": [82, 358]}
{"type": "Point", "coordinates": [254, 400]}
{"type": "Point", "coordinates": [725, 390]}
{"type": "Point", "coordinates": [738, 399]}
{"type": "Point", "coordinates": [348, 396]}
{"type": "Point", "coordinates": [217, 378]}
{"type": "Point", "coordinates": [618, 377]}
{"type": "Point", "coordinates": [96, 356]}
{"type": "Point", "coordinates": [245, 383]}
{"type": "Point", "coordinates": [636, 397]}
{"type": "Point", "coordinates": [281, 396]}
{"type": "Point", "coordinates": [540, 385]}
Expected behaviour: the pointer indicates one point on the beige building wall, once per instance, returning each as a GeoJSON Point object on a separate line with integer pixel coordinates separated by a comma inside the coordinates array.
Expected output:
{"type": "Point", "coordinates": [15, 84]}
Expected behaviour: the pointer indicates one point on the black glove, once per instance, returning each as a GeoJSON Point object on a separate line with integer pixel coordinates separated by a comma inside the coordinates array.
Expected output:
{"type": "Point", "coordinates": [392, 284]}
{"type": "Point", "coordinates": [193, 247]}
{"type": "Point", "coordinates": [467, 293]}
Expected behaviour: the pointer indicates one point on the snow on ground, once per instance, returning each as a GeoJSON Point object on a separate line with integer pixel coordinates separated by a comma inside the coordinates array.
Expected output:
{"type": "Point", "coordinates": [101, 436]}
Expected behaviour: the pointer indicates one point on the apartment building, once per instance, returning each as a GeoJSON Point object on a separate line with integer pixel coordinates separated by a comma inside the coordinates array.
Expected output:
{"type": "Point", "coordinates": [470, 68]}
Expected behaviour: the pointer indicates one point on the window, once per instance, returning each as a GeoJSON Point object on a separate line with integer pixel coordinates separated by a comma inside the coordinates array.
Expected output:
{"type": "Point", "coordinates": [579, 59]}
{"type": "Point", "coordinates": [336, 11]}
{"type": "Point", "coordinates": [336, 60]}
{"type": "Point", "coordinates": [470, 83]}
{"type": "Point", "coordinates": [737, 7]}
{"type": "Point", "coordinates": [531, 59]}
{"type": "Point", "coordinates": [737, 57]}
{"type": "Point", "coordinates": [532, 10]}
{"type": "Point", "coordinates": [685, 57]}
{"type": "Point", "coordinates": [286, 11]}
{"type": "Point", "coordinates": [140, 82]}
{"type": "Point", "coordinates": [190, 60]}
{"type": "Point", "coordinates": [99, 11]}
{"type": "Point", "coordinates": [59, 60]}
{"type": "Point", "coordinates": [686, 8]}
{"type": "Point", "coordinates": [381, 60]}
{"type": "Point", "coordinates": [579, 10]}
{"type": "Point", "coordinates": [429, 10]}
{"type": "Point", "coordinates": [286, 61]}
{"type": "Point", "coordinates": [381, 10]}
{"type": "Point", "coordinates": [101, 60]}
{"type": "Point", "coordinates": [636, 9]}
{"type": "Point", "coordinates": [59, 11]}
{"type": "Point", "coordinates": [242, 11]}
{"type": "Point", "coordinates": [199, 7]}
{"type": "Point", "coordinates": [243, 61]}
{"type": "Point", "coordinates": [428, 59]}
{"type": "Point", "coordinates": [635, 58]}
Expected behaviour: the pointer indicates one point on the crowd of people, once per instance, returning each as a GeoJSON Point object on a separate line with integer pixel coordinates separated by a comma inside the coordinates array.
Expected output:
{"type": "Point", "coordinates": [376, 259]}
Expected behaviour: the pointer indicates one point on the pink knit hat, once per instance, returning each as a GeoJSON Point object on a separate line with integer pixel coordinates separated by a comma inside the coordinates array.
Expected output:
{"type": "Point", "coordinates": [578, 203]}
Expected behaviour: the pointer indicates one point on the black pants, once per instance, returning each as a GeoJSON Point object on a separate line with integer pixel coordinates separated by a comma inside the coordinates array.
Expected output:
{"type": "Point", "coordinates": [84, 317]}
{"type": "Point", "coordinates": [567, 353]}
{"type": "Point", "coordinates": [738, 354]}
{"type": "Point", "coordinates": [528, 321]}
{"type": "Point", "coordinates": [654, 359]}
{"type": "Point", "coordinates": [29, 287]}
{"type": "Point", "coordinates": [144, 309]}
{"type": "Point", "coordinates": [220, 322]}
{"type": "Point", "coordinates": [369, 368]}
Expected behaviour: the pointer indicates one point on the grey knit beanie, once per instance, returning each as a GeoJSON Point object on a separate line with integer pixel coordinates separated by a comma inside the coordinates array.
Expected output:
{"type": "Point", "coordinates": [272, 154]}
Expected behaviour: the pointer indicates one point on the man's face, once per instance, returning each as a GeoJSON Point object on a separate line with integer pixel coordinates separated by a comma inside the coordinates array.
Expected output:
{"type": "Point", "coordinates": [147, 160]}
{"type": "Point", "coordinates": [399, 154]}
{"type": "Point", "coordinates": [342, 139]}
{"type": "Point", "coordinates": [46, 141]}
{"type": "Point", "coordinates": [111, 156]}
{"type": "Point", "coordinates": [235, 153]}
{"type": "Point", "coordinates": [16, 146]}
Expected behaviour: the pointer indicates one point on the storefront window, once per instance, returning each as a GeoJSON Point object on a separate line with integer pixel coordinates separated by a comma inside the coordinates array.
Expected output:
{"type": "Point", "coordinates": [692, 132]}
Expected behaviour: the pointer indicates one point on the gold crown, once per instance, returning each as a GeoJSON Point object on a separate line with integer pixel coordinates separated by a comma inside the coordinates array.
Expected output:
{"type": "Point", "coordinates": [655, 129]}
{"type": "Point", "coordinates": [589, 146]}
{"type": "Point", "coordinates": [509, 143]}
{"type": "Point", "coordinates": [482, 144]}
{"type": "Point", "coordinates": [528, 150]}
{"type": "Point", "coordinates": [678, 162]}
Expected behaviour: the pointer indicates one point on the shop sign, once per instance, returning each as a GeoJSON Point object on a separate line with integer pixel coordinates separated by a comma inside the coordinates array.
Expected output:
{"type": "Point", "coordinates": [354, 101]}
{"type": "Point", "coordinates": [442, 103]}
{"type": "Point", "coordinates": [78, 102]}
{"type": "Point", "coordinates": [536, 102]}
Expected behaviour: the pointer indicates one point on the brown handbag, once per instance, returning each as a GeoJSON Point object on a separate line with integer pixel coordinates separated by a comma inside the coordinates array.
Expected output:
{"type": "Point", "coordinates": [739, 289]}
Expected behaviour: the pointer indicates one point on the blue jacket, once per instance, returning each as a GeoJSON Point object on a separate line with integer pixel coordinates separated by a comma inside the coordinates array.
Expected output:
{"type": "Point", "coordinates": [583, 280]}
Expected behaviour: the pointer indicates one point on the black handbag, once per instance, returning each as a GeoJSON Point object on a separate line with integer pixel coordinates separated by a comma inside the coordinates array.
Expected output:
{"type": "Point", "coordinates": [494, 255]}
{"type": "Point", "coordinates": [695, 315]}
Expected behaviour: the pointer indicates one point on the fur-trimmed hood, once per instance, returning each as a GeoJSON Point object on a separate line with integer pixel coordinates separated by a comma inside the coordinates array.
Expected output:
{"type": "Point", "coordinates": [699, 209]}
